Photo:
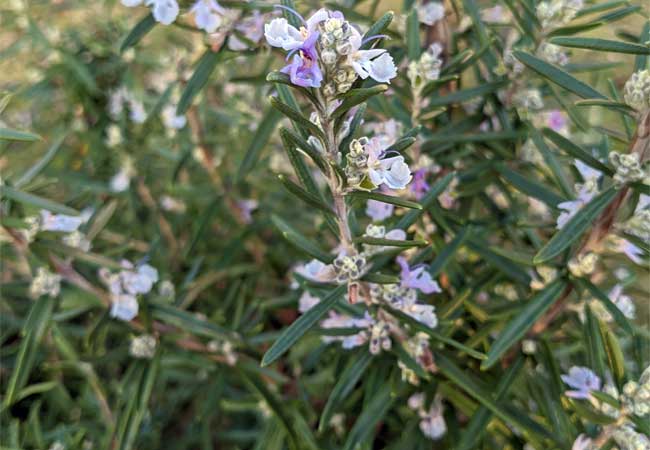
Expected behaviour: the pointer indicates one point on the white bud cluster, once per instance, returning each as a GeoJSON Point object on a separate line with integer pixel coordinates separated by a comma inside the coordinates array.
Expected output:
{"type": "Point", "coordinates": [582, 265]}
{"type": "Point", "coordinates": [45, 283]}
{"type": "Point", "coordinates": [553, 13]}
{"type": "Point", "coordinates": [336, 44]}
{"type": "Point", "coordinates": [552, 53]}
{"type": "Point", "coordinates": [628, 167]}
{"type": "Point", "coordinates": [639, 225]}
{"type": "Point", "coordinates": [637, 90]}
{"type": "Point", "coordinates": [628, 439]}
{"type": "Point", "coordinates": [143, 347]}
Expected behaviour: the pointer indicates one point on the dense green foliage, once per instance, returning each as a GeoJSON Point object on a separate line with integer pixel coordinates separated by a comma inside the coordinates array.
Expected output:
{"type": "Point", "coordinates": [164, 188]}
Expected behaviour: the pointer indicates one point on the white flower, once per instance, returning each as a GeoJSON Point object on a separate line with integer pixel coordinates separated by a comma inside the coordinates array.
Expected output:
{"type": "Point", "coordinates": [122, 179]}
{"type": "Point", "coordinates": [124, 307]}
{"type": "Point", "coordinates": [164, 11]}
{"type": "Point", "coordinates": [207, 15]}
{"type": "Point", "coordinates": [77, 239]}
{"type": "Point", "coordinates": [59, 222]}
{"type": "Point", "coordinates": [422, 313]}
{"type": "Point", "coordinates": [171, 120]}
{"type": "Point", "coordinates": [139, 281]}
{"type": "Point", "coordinates": [316, 270]}
{"type": "Point", "coordinates": [392, 171]}
{"type": "Point", "coordinates": [131, 3]}
{"type": "Point", "coordinates": [379, 211]}
{"type": "Point", "coordinates": [431, 12]}
{"type": "Point", "coordinates": [279, 33]}
{"type": "Point", "coordinates": [623, 302]}
{"type": "Point", "coordinates": [383, 69]}
{"type": "Point", "coordinates": [137, 112]}
{"type": "Point", "coordinates": [433, 423]}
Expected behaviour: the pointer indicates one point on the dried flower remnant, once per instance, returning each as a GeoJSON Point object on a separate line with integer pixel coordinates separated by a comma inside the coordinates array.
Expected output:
{"type": "Point", "coordinates": [45, 283]}
{"type": "Point", "coordinates": [637, 90]}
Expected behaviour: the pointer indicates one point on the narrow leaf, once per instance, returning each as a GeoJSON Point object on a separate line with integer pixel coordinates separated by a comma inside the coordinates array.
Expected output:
{"type": "Point", "coordinates": [198, 80]}
{"type": "Point", "coordinates": [601, 45]}
{"type": "Point", "coordinates": [557, 75]}
{"type": "Point", "coordinates": [385, 199]}
{"type": "Point", "coordinates": [299, 327]}
{"type": "Point", "coordinates": [576, 226]}
{"type": "Point", "coordinates": [517, 327]}
{"type": "Point", "coordinates": [136, 34]}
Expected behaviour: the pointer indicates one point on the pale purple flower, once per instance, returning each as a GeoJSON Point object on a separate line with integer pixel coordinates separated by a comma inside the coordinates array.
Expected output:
{"type": "Point", "coordinates": [417, 277]}
{"type": "Point", "coordinates": [207, 15]}
{"type": "Point", "coordinates": [582, 442]}
{"type": "Point", "coordinates": [433, 423]}
{"type": "Point", "coordinates": [622, 302]}
{"type": "Point", "coordinates": [316, 270]}
{"type": "Point", "coordinates": [164, 11]}
{"type": "Point", "coordinates": [420, 187]}
{"type": "Point", "coordinates": [246, 207]}
{"type": "Point", "coordinates": [60, 222]}
{"type": "Point", "coordinates": [424, 314]}
{"type": "Point", "coordinates": [379, 211]}
{"type": "Point", "coordinates": [307, 302]}
{"type": "Point", "coordinates": [430, 13]}
{"type": "Point", "coordinates": [582, 380]}
{"type": "Point", "coordinates": [124, 307]}
{"type": "Point", "coordinates": [251, 27]}
{"type": "Point", "coordinates": [556, 121]}
{"type": "Point", "coordinates": [304, 70]}
{"type": "Point", "coordinates": [630, 250]}
{"type": "Point", "coordinates": [375, 63]}
{"type": "Point", "coordinates": [392, 171]}
{"type": "Point", "coordinates": [140, 280]}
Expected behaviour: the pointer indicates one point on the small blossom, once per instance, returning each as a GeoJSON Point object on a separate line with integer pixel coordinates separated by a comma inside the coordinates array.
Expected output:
{"type": "Point", "coordinates": [207, 15]}
{"type": "Point", "coordinates": [582, 380]}
{"type": "Point", "coordinates": [121, 181]}
{"type": "Point", "coordinates": [433, 423]}
{"type": "Point", "coordinates": [417, 278]}
{"type": "Point", "coordinates": [124, 307]}
{"type": "Point", "coordinates": [583, 264]}
{"type": "Point", "coordinates": [59, 222]}
{"type": "Point", "coordinates": [379, 211]}
{"type": "Point", "coordinates": [431, 12]}
{"type": "Point", "coordinates": [139, 281]}
{"type": "Point", "coordinates": [623, 302]}
{"type": "Point", "coordinates": [171, 120]}
{"type": "Point", "coordinates": [307, 301]}
{"type": "Point", "coordinates": [582, 442]}
{"type": "Point", "coordinates": [164, 11]}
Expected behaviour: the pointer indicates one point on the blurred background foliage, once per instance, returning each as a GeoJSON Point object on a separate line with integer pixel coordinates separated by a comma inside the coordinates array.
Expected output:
{"type": "Point", "coordinates": [198, 208]}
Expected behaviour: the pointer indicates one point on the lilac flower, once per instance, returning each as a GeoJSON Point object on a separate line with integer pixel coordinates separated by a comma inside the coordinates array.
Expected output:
{"type": "Point", "coordinates": [60, 222]}
{"type": "Point", "coordinates": [375, 63]}
{"type": "Point", "coordinates": [622, 302]}
{"type": "Point", "coordinates": [419, 187]}
{"type": "Point", "coordinates": [207, 15]}
{"type": "Point", "coordinates": [379, 211]}
{"type": "Point", "coordinates": [304, 70]}
{"type": "Point", "coordinates": [582, 380]}
{"type": "Point", "coordinates": [140, 280]}
{"type": "Point", "coordinates": [417, 278]}
{"type": "Point", "coordinates": [556, 121]}
{"type": "Point", "coordinates": [124, 307]}
{"type": "Point", "coordinates": [307, 302]}
{"type": "Point", "coordinates": [393, 171]}
{"type": "Point", "coordinates": [582, 442]}
{"type": "Point", "coordinates": [164, 11]}
{"type": "Point", "coordinates": [433, 423]}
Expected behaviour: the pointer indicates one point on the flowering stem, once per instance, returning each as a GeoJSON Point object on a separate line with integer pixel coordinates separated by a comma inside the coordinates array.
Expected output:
{"type": "Point", "coordinates": [340, 207]}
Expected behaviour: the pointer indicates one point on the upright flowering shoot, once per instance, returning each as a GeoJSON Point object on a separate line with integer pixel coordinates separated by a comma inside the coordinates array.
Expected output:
{"type": "Point", "coordinates": [329, 57]}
